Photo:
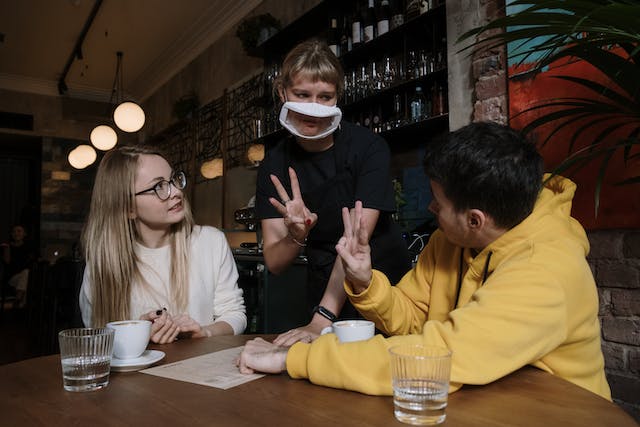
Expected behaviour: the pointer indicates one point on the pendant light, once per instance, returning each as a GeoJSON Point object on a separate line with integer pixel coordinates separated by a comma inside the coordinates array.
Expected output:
{"type": "Point", "coordinates": [255, 154]}
{"type": "Point", "coordinates": [103, 137]}
{"type": "Point", "coordinates": [82, 156]}
{"type": "Point", "coordinates": [128, 115]}
{"type": "Point", "coordinates": [212, 168]}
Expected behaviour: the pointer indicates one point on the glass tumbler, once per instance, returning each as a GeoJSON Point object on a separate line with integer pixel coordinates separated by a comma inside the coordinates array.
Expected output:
{"type": "Point", "coordinates": [85, 355]}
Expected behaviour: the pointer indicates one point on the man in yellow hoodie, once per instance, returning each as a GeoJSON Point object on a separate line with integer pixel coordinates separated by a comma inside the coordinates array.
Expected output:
{"type": "Point", "coordinates": [503, 282]}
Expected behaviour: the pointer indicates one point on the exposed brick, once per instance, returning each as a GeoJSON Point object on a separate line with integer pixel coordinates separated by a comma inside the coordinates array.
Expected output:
{"type": "Point", "coordinates": [605, 244]}
{"type": "Point", "coordinates": [619, 274]}
{"type": "Point", "coordinates": [492, 86]}
{"type": "Point", "coordinates": [634, 360]}
{"type": "Point", "coordinates": [625, 388]}
{"type": "Point", "coordinates": [631, 245]}
{"type": "Point", "coordinates": [604, 296]}
{"type": "Point", "coordinates": [490, 110]}
{"type": "Point", "coordinates": [614, 356]}
{"type": "Point", "coordinates": [625, 302]}
{"type": "Point", "coordinates": [623, 331]}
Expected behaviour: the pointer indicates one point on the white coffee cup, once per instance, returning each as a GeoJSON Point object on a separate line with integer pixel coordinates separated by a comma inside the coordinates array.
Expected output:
{"type": "Point", "coordinates": [131, 338]}
{"type": "Point", "coordinates": [351, 330]}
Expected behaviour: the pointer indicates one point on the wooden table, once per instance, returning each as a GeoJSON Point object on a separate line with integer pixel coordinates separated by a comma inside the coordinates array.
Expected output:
{"type": "Point", "coordinates": [31, 394]}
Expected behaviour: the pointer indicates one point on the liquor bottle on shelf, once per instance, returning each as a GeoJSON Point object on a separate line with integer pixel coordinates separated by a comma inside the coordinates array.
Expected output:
{"type": "Point", "coordinates": [418, 105]}
{"type": "Point", "coordinates": [356, 28]}
{"type": "Point", "coordinates": [412, 9]}
{"type": "Point", "coordinates": [383, 17]}
{"type": "Point", "coordinates": [369, 23]}
{"type": "Point", "coordinates": [397, 14]}
{"type": "Point", "coordinates": [441, 55]}
{"type": "Point", "coordinates": [332, 36]}
{"type": "Point", "coordinates": [398, 112]}
{"type": "Point", "coordinates": [439, 100]}
{"type": "Point", "coordinates": [345, 36]}
{"type": "Point", "coordinates": [413, 68]}
{"type": "Point", "coordinates": [376, 121]}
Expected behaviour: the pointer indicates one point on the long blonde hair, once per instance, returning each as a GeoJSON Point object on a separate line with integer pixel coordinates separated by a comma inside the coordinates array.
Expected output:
{"type": "Point", "coordinates": [110, 234]}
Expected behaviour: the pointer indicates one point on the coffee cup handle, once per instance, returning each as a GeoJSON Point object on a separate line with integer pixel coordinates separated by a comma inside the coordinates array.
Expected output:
{"type": "Point", "coordinates": [326, 330]}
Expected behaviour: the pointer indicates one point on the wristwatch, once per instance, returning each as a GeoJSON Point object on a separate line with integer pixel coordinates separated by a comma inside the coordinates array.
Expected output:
{"type": "Point", "coordinates": [324, 312]}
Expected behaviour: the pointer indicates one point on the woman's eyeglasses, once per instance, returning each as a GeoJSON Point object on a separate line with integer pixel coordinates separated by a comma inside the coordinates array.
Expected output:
{"type": "Point", "coordinates": [163, 188]}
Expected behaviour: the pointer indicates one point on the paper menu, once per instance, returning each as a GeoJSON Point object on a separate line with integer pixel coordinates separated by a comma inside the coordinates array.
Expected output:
{"type": "Point", "coordinates": [216, 369]}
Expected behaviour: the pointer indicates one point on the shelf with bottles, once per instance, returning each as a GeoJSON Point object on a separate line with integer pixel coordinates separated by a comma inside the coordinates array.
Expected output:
{"type": "Point", "coordinates": [360, 92]}
{"type": "Point", "coordinates": [409, 103]}
{"type": "Point", "coordinates": [424, 30]}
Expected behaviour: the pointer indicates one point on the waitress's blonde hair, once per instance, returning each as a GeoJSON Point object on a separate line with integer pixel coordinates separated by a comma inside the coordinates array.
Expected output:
{"type": "Point", "coordinates": [312, 59]}
{"type": "Point", "coordinates": [110, 234]}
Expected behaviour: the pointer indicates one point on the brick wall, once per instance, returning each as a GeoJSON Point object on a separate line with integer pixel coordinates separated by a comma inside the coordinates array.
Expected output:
{"type": "Point", "coordinates": [615, 262]}
{"type": "Point", "coordinates": [614, 257]}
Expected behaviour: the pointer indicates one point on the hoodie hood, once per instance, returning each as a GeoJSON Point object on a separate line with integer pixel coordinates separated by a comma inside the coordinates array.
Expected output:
{"type": "Point", "coordinates": [549, 222]}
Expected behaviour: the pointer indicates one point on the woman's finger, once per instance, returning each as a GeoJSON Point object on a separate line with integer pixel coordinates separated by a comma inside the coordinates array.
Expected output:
{"type": "Point", "coordinates": [282, 210]}
{"type": "Point", "coordinates": [282, 193]}
{"type": "Point", "coordinates": [295, 185]}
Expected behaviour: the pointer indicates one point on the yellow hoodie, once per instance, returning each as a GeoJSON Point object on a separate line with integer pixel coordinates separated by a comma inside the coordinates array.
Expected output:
{"type": "Point", "coordinates": [538, 306]}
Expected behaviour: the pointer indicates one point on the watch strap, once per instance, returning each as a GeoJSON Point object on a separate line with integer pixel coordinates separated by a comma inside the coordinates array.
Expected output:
{"type": "Point", "coordinates": [325, 312]}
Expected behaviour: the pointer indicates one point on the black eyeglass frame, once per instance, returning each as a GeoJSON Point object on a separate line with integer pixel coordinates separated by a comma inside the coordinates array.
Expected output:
{"type": "Point", "coordinates": [178, 180]}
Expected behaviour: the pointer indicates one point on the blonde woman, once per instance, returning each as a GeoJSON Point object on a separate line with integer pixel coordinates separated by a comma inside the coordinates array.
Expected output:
{"type": "Point", "coordinates": [305, 180]}
{"type": "Point", "coordinates": [146, 258]}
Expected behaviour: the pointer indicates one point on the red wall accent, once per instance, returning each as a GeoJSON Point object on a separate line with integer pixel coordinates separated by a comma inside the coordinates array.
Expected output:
{"type": "Point", "coordinates": [619, 205]}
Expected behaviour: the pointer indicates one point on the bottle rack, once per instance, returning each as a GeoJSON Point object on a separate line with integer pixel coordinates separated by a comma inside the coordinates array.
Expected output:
{"type": "Point", "coordinates": [417, 50]}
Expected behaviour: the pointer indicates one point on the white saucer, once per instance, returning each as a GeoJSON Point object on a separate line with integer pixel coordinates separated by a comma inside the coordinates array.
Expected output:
{"type": "Point", "coordinates": [148, 358]}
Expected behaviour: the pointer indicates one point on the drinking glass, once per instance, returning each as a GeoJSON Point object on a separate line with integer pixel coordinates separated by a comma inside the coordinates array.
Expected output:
{"type": "Point", "coordinates": [85, 355]}
{"type": "Point", "coordinates": [420, 379]}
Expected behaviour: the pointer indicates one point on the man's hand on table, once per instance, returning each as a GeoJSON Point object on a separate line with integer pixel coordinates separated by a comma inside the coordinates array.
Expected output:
{"type": "Point", "coordinates": [259, 355]}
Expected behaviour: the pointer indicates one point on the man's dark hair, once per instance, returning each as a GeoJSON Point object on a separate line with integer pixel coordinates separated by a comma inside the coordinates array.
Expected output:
{"type": "Point", "coordinates": [490, 167]}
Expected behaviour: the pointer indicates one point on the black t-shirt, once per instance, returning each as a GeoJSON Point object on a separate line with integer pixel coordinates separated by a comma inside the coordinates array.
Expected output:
{"type": "Point", "coordinates": [356, 167]}
{"type": "Point", "coordinates": [365, 154]}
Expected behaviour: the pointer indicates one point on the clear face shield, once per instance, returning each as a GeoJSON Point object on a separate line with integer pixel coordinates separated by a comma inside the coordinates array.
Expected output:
{"type": "Point", "coordinates": [310, 109]}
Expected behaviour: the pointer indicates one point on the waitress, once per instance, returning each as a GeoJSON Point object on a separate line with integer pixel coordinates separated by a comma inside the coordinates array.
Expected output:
{"type": "Point", "coordinates": [306, 179]}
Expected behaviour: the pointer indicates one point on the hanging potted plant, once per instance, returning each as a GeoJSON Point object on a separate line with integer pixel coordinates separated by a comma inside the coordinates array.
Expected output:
{"type": "Point", "coordinates": [255, 30]}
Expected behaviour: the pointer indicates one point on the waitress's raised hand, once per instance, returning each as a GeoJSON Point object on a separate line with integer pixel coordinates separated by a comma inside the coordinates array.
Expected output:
{"type": "Point", "coordinates": [354, 250]}
{"type": "Point", "coordinates": [297, 217]}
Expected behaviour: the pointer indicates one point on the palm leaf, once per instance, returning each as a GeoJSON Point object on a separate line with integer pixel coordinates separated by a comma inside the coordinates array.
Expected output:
{"type": "Point", "coordinates": [603, 33]}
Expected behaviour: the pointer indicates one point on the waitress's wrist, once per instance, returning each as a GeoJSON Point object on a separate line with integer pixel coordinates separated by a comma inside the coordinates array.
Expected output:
{"type": "Point", "coordinates": [300, 241]}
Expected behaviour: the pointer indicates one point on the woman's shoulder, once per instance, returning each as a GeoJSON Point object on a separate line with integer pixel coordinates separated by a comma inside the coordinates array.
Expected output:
{"type": "Point", "coordinates": [206, 232]}
{"type": "Point", "coordinates": [357, 135]}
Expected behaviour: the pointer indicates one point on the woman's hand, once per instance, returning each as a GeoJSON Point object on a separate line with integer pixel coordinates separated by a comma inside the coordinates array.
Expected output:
{"type": "Point", "coordinates": [189, 328]}
{"type": "Point", "coordinates": [163, 328]}
{"type": "Point", "coordinates": [306, 333]}
{"type": "Point", "coordinates": [262, 356]}
{"type": "Point", "coordinates": [298, 219]}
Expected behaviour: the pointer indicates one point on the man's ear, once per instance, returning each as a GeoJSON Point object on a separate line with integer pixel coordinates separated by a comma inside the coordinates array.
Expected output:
{"type": "Point", "coordinates": [476, 219]}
